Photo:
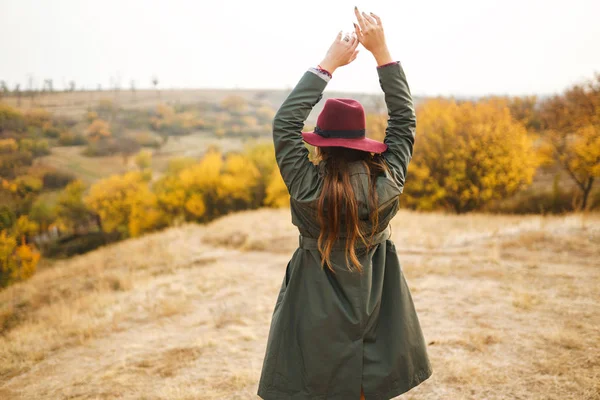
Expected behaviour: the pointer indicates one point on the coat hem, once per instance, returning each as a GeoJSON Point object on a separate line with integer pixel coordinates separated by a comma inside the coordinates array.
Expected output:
{"type": "Point", "coordinates": [418, 378]}
{"type": "Point", "coordinates": [269, 393]}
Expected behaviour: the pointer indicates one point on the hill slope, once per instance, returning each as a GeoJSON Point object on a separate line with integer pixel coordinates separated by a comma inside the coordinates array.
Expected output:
{"type": "Point", "coordinates": [509, 306]}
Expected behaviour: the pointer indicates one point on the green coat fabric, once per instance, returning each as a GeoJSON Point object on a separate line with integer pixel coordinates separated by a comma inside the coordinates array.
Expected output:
{"type": "Point", "coordinates": [332, 333]}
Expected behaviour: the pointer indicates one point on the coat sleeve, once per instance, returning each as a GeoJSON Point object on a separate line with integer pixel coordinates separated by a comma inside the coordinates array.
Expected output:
{"type": "Point", "coordinates": [402, 121]}
{"type": "Point", "coordinates": [298, 172]}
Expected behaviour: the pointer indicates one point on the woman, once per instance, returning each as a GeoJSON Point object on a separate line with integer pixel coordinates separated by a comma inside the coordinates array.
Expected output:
{"type": "Point", "coordinates": [344, 324]}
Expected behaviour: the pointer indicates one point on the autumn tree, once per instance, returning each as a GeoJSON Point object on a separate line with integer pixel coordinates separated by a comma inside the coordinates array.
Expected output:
{"type": "Point", "coordinates": [11, 119]}
{"type": "Point", "coordinates": [125, 204]}
{"type": "Point", "coordinates": [167, 121]}
{"type": "Point", "coordinates": [143, 160]}
{"type": "Point", "coordinates": [98, 130]}
{"type": "Point", "coordinates": [237, 184]}
{"type": "Point", "coordinates": [375, 126]}
{"type": "Point", "coordinates": [72, 212]}
{"type": "Point", "coordinates": [277, 195]}
{"type": "Point", "coordinates": [525, 109]}
{"type": "Point", "coordinates": [127, 147]}
{"type": "Point", "coordinates": [192, 193]}
{"type": "Point", "coordinates": [262, 156]}
{"type": "Point", "coordinates": [467, 154]}
{"type": "Point", "coordinates": [17, 261]}
{"type": "Point", "coordinates": [234, 104]}
{"type": "Point", "coordinates": [571, 125]}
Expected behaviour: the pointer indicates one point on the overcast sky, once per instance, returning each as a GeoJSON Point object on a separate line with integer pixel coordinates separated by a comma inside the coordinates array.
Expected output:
{"type": "Point", "coordinates": [458, 47]}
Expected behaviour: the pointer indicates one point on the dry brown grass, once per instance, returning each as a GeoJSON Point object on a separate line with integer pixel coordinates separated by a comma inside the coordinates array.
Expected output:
{"type": "Point", "coordinates": [509, 306]}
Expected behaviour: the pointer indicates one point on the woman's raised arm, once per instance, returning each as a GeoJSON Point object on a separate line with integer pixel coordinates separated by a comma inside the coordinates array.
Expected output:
{"type": "Point", "coordinates": [402, 122]}
{"type": "Point", "coordinates": [298, 173]}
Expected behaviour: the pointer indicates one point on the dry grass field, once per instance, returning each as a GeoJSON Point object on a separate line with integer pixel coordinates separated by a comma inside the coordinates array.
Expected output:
{"type": "Point", "coordinates": [90, 169]}
{"type": "Point", "coordinates": [510, 307]}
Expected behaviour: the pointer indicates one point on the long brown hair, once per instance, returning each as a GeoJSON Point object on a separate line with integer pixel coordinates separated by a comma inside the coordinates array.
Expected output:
{"type": "Point", "coordinates": [338, 204]}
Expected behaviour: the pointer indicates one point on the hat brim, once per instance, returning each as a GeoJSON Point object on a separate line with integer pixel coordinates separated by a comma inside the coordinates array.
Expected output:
{"type": "Point", "coordinates": [364, 143]}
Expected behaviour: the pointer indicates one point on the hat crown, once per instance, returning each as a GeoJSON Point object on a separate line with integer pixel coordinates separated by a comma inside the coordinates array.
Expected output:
{"type": "Point", "coordinates": [340, 114]}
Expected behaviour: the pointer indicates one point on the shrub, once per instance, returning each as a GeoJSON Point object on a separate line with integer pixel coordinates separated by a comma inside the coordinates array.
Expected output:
{"type": "Point", "coordinates": [71, 245]}
{"type": "Point", "coordinates": [37, 148]}
{"type": "Point", "coordinates": [57, 179]}
{"type": "Point", "coordinates": [71, 139]}
{"type": "Point", "coordinates": [51, 132]}
{"type": "Point", "coordinates": [11, 119]}
{"type": "Point", "coordinates": [106, 147]}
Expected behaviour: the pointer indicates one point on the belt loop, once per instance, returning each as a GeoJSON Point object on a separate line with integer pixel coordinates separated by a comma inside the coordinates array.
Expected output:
{"type": "Point", "coordinates": [300, 241]}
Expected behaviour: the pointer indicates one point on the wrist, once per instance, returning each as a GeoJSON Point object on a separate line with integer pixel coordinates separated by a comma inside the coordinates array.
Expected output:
{"type": "Point", "coordinates": [327, 66]}
{"type": "Point", "coordinates": [382, 56]}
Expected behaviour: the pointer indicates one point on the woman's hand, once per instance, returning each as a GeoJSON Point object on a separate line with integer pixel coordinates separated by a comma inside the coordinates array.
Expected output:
{"type": "Point", "coordinates": [342, 52]}
{"type": "Point", "coordinates": [369, 32]}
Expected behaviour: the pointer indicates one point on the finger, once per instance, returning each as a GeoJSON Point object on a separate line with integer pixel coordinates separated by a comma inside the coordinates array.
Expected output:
{"type": "Point", "coordinates": [339, 36]}
{"type": "Point", "coordinates": [355, 44]}
{"type": "Point", "coordinates": [351, 40]}
{"type": "Point", "coordinates": [376, 18]}
{"type": "Point", "coordinates": [354, 56]}
{"type": "Point", "coordinates": [368, 20]}
{"type": "Point", "coordinates": [359, 18]}
{"type": "Point", "coordinates": [358, 32]}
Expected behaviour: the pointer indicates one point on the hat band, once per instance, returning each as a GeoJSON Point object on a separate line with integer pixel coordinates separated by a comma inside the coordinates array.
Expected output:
{"type": "Point", "coordinates": [347, 134]}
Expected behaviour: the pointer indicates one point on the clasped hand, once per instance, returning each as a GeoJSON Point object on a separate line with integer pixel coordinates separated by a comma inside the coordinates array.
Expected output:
{"type": "Point", "coordinates": [368, 32]}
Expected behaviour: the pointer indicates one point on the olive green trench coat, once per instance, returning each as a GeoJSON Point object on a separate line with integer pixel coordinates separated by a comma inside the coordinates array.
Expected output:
{"type": "Point", "coordinates": [332, 333]}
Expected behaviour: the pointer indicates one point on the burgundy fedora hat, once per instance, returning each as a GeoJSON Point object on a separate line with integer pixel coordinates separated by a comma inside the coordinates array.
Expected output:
{"type": "Point", "coordinates": [341, 123]}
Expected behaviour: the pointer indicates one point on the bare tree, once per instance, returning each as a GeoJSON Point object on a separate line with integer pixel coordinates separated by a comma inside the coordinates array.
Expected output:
{"type": "Point", "coordinates": [31, 89]}
{"type": "Point", "coordinates": [132, 87]}
{"type": "Point", "coordinates": [48, 86]}
{"type": "Point", "coordinates": [71, 86]}
{"type": "Point", "coordinates": [4, 89]}
{"type": "Point", "coordinates": [155, 83]}
{"type": "Point", "coordinates": [17, 91]}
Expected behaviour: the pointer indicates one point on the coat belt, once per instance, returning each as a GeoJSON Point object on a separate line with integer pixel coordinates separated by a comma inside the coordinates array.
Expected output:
{"type": "Point", "coordinates": [309, 243]}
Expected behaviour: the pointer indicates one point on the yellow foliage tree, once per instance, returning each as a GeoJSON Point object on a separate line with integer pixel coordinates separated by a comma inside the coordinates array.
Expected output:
{"type": "Point", "coordinates": [249, 121]}
{"type": "Point", "coordinates": [143, 159]}
{"type": "Point", "coordinates": [11, 119]}
{"type": "Point", "coordinates": [262, 155]}
{"type": "Point", "coordinates": [17, 262]}
{"type": "Point", "coordinates": [277, 194]}
{"type": "Point", "coordinates": [240, 177]}
{"type": "Point", "coordinates": [91, 116]}
{"type": "Point", "coordinates": [125, 204]}
{"type": "Point", "coordinates": [467, 154]}
{"type": "Point", "coordinates": [71, 210]}
{"type": "Point", "coordinates": [376, 124]}
{"type": "Point", "coordinates": [98, 130]}
{"type": "Point", "coordinates": [571, 124]}
{"type": "Point", "coordinates": [26, 227]}
{"type": "Point", "coordinates": [8, 146]}
{"type": "Point", "coordinates": [37, 117]}
{"type": "Point", "coordinates": [190, 191]}
{"type": "Point", "coordinates": [234, 104]}
{"type": "Point", "coordinates": [168, 121]}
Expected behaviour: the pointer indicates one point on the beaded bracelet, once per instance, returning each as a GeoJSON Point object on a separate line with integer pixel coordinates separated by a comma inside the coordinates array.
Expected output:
{"type": "Point", "coordinates": [323, 70]}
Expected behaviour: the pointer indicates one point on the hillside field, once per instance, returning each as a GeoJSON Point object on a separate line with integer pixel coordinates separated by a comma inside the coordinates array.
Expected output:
{"type": "Point", "coordinates": [509, 306]}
